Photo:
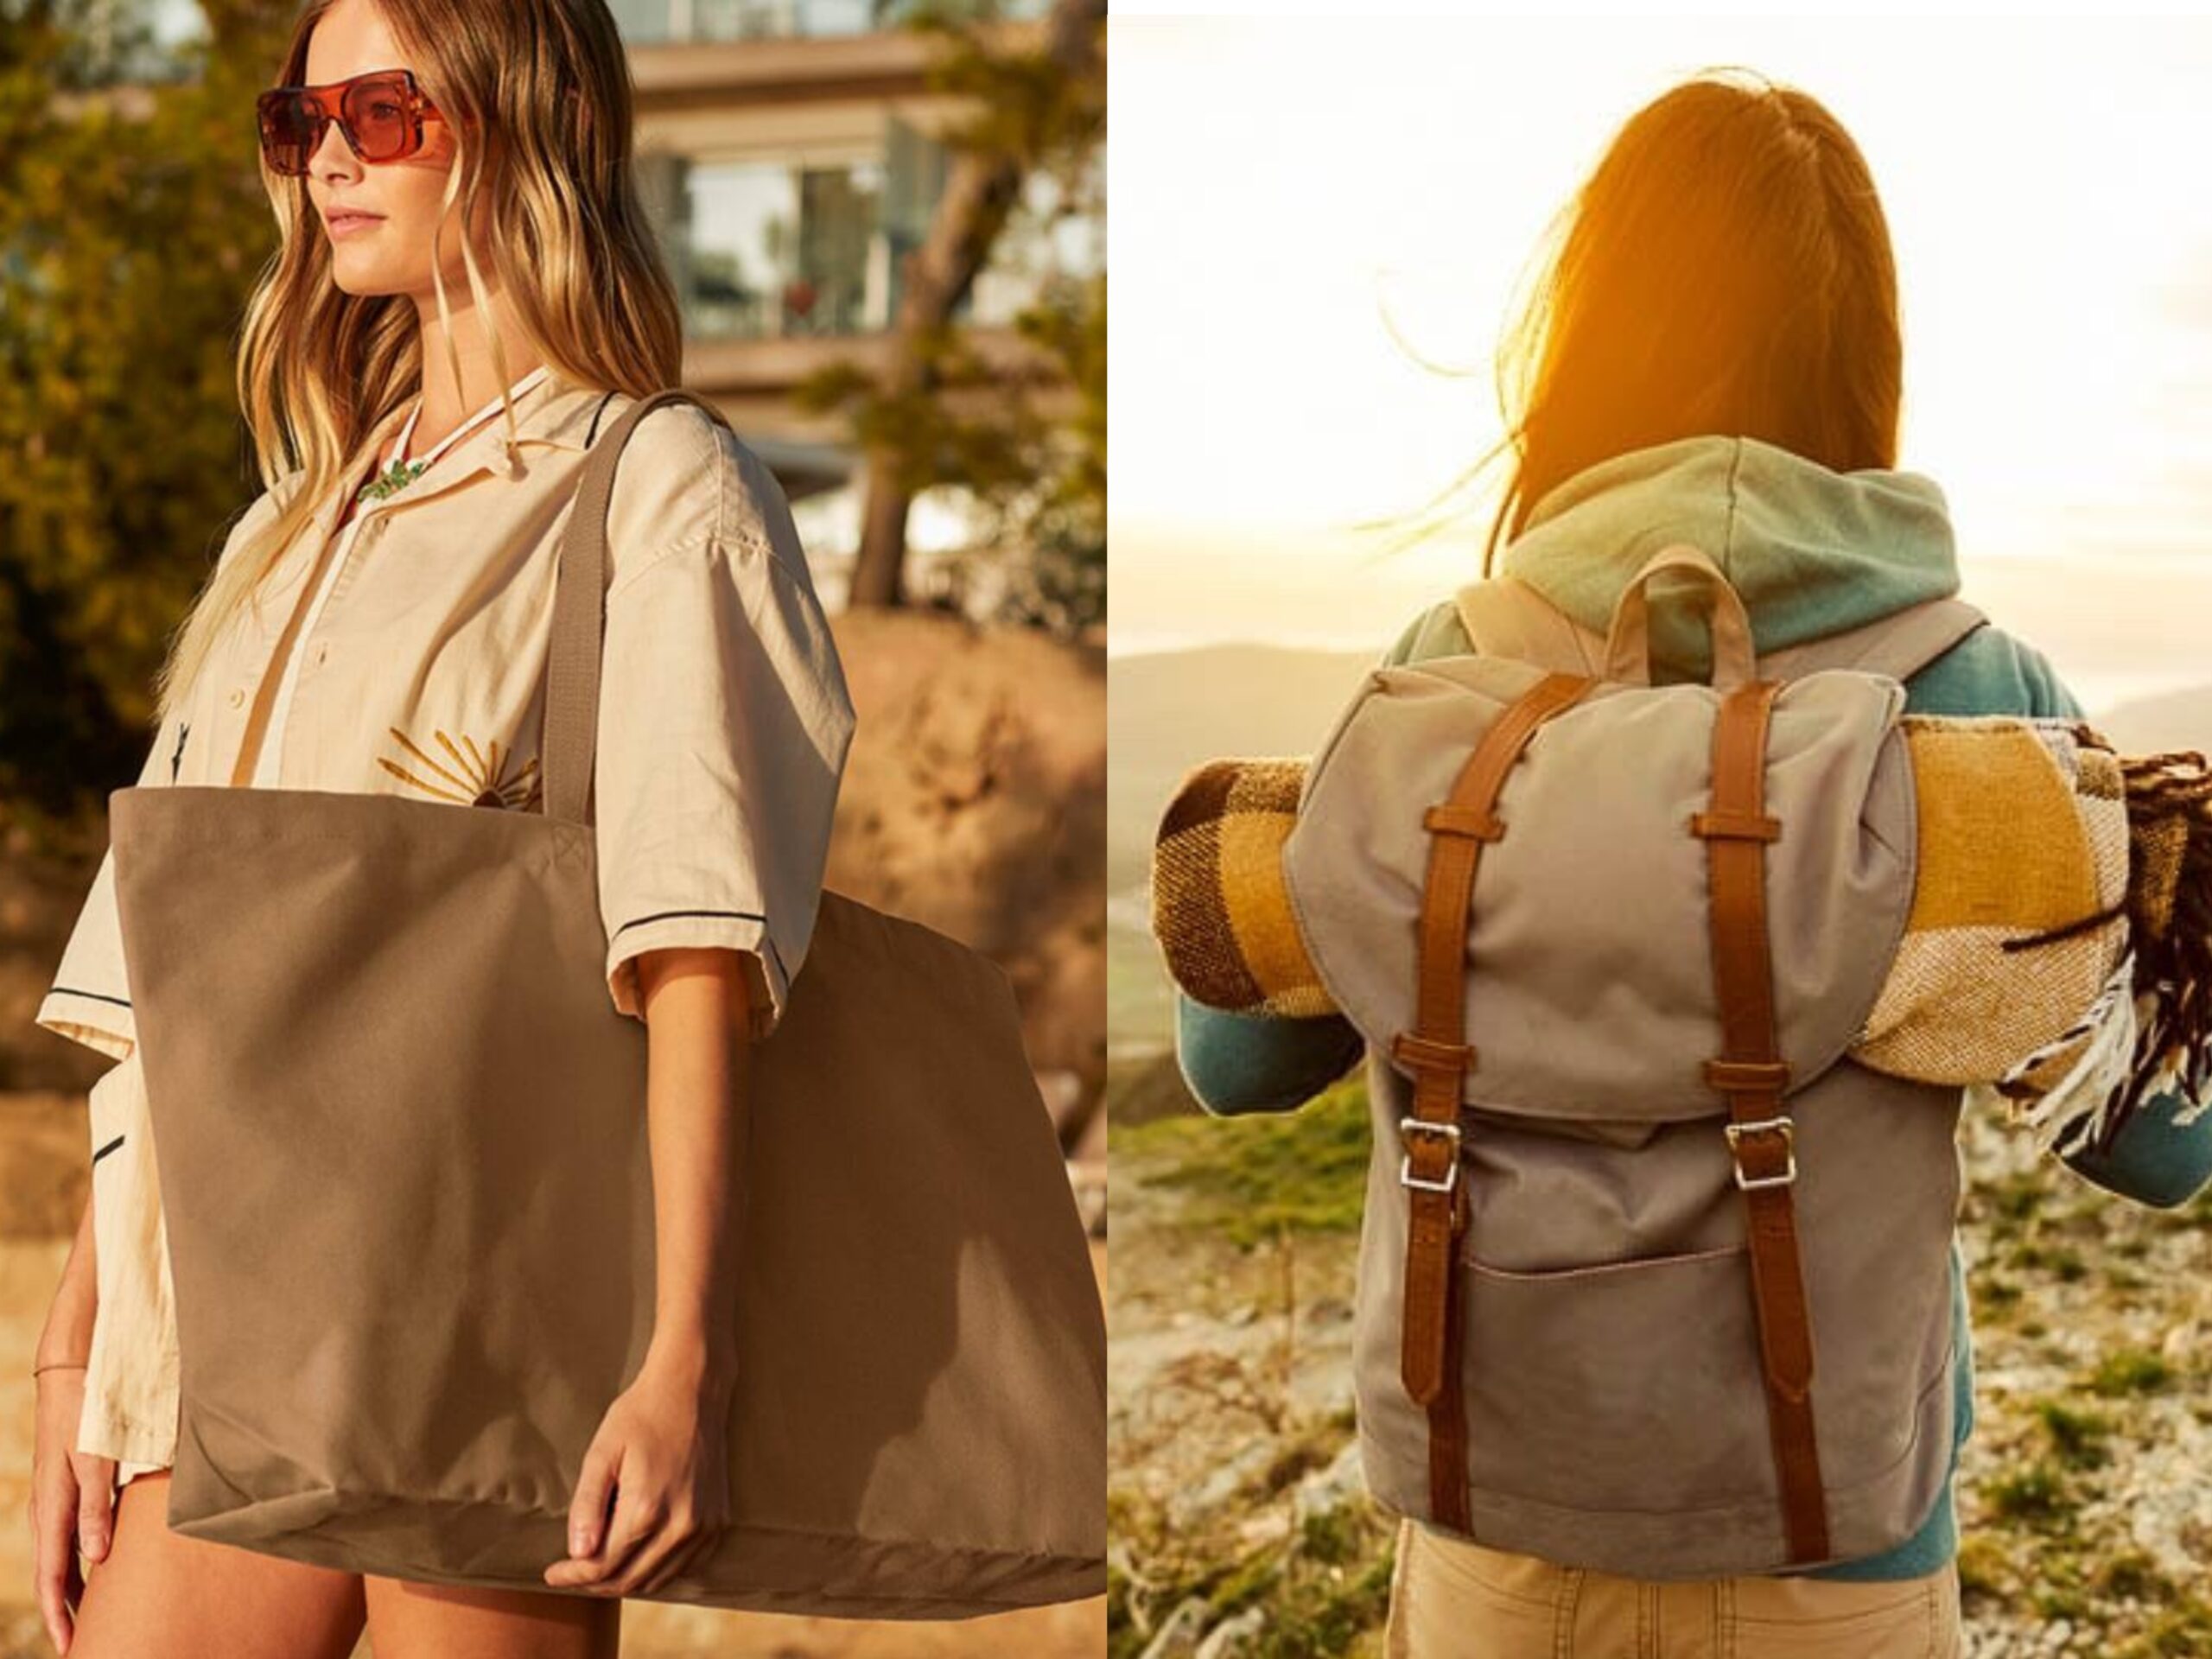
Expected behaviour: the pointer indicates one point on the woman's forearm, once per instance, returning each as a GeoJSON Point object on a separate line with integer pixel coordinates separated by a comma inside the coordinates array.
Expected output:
{"type": "Point", "coordinates": [68, 1337]}
{"type": "Point", "coordinates": [698, 1083]}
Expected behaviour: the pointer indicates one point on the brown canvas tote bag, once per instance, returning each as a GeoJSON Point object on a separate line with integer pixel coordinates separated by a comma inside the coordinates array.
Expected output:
{"type": "Point", "coordinates": [402, 1149]}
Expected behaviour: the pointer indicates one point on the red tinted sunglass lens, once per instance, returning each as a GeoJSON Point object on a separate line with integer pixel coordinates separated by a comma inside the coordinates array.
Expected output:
{"type": "Point", "coordinates": [292, 131]}
{"type": "Point", "coordinates": [382, 121]}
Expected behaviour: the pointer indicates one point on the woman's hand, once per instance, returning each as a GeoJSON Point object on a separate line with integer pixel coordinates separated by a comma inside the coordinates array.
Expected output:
{"type": "Point", "coordinates": [72, 1501]}
{"type": "Point", "coordinates": [662, 1449]}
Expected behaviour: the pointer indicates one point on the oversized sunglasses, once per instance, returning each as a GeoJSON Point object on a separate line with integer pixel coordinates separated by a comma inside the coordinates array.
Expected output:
{"type": "Point", "coordinates": [381, 114]}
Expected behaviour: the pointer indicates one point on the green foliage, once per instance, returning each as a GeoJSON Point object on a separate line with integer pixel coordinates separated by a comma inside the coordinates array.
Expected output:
{"type": "Point", "coordinates": [2080, 1438]}
{"type": "Point", "coordinates": [2129, 1370]}
{"type": "Point", "coordinates": [1248, 1178]}
{"type": "Point", "coordinates": [1060, 514]}
{"type": "Point", "coordinates": [1985, 1570]}
{"type": "Point", "coordinates": [132, 222]}
{"type": "Point", "coordinates": [1025, 440]}
{"type": "Point", "coordinates": [1322, 1590]}
{"type": "Point", "coordinates": [2036, 1493]}
{"type": "Point", "coordinates": [2131, 1576]}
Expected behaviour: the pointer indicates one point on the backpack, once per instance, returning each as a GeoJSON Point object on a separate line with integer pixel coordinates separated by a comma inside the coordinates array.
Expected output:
{"type": "Point", "coordinates": [1654, 1278]}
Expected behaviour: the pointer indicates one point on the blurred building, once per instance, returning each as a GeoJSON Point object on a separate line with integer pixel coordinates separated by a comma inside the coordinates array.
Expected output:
{"type": "Point", "coordinates": [792, 152]}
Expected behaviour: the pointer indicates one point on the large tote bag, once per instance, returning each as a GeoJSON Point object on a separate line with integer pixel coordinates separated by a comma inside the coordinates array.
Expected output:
{"type": "Point", "coordinates": [401, 1135]}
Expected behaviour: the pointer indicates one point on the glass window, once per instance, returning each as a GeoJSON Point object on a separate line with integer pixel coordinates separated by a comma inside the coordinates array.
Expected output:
{"type": "Point", "coordinates": [767, 249]}
{"type": "Point", "coordinates": [743, 218]}
{"type": "Point", "coordinates": [646, 21]}
{"type": "Point", "coordinates": [840, 209]}
{"type": "Point", "coordinates": [643, 22]}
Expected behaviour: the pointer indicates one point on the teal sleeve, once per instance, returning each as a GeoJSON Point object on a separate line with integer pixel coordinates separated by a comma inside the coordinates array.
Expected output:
{"type": "Point", "coordinates": [2153, 1159]}
{"type": "Point", "coordinates": [1239, 1063]}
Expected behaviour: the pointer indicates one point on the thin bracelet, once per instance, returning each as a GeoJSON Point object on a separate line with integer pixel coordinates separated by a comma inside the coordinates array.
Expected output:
{"type": "Point", "coordinates": [60, 1365]}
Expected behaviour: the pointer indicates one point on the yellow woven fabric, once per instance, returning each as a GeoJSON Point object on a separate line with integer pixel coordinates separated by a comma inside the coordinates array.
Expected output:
{"type": "Point", "coordinates": [2020, 831]}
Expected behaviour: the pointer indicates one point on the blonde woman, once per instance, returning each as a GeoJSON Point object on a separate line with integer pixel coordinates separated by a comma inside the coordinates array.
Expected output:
{"type": "Point", "coordinates": [422, 400]}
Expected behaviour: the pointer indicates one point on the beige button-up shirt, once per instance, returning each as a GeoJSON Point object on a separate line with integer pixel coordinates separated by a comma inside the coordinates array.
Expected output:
{"type": "Point", "coordinates": [724, 722]}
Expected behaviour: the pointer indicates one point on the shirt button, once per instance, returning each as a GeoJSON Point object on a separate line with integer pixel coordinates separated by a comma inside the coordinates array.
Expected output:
{"type": "Point", "coordinates": [321, 653]}
{"type": "Point", "coordinates": [237, 698]}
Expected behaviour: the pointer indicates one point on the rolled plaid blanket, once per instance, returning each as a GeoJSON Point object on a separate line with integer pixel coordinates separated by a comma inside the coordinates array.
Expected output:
{"type": "Point", "coordinates": [2057, 958]}
{"type": "Point", "coordinates": [1220, 907]}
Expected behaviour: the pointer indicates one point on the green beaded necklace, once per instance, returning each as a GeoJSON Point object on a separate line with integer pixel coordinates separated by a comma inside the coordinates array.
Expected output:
{"type": "Point", "coordinates": [394, 478]}
{"type": "Point", "coordinates": [398, 476]}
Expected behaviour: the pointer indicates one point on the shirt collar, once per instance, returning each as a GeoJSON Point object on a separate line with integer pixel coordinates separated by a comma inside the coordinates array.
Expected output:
{"type": "Point", "coordinates": [488, 410]}
{"type": "Point", "coordinates": [553, 416]}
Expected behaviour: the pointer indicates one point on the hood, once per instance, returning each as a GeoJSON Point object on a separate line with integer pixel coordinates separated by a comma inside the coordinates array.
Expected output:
{"type": "Point", "coordinates": [1813, 551]}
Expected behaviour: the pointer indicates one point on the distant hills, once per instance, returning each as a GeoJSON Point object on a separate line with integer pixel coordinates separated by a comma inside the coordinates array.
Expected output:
{"type": "Point", "coordinates": [1168, 711]}
{"type": "Point", "coordinates": [2173, 720]}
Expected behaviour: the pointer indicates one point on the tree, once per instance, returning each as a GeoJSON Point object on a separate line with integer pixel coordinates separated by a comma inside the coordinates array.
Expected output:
{"type": "Point", "coordinates": [1040, 109]}
{"type": "Point", "coordinates": [132, 223]}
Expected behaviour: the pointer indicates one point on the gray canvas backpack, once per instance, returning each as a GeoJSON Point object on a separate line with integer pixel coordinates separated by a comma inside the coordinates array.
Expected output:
{"type": "Point", "coordinates": [1653, 1278]}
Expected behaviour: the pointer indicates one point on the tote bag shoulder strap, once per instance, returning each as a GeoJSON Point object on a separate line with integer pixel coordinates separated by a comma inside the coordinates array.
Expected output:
{"type": "Point", "coordinates": [580, 614]}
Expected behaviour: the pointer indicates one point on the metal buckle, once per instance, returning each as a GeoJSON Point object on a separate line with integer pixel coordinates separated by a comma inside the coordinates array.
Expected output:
{"type": "Point", "coordinates": [1787, 1127]}
{"type": "Point", "coordinates": [1421, 1126]}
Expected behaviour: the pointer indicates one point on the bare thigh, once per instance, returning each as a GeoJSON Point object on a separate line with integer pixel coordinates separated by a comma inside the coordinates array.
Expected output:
{"type": "Point", "coordinates": [160, 1595]}
{"type": "Point", "coordinates": [409, 1620]}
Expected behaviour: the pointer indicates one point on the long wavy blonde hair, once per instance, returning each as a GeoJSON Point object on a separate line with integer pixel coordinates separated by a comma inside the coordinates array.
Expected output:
{"type": "Point", "coordinates": [546, 85]}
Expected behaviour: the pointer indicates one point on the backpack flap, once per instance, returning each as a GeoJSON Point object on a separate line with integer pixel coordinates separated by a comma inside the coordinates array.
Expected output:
{"type": "Point", "coordinates": [1590, 981]}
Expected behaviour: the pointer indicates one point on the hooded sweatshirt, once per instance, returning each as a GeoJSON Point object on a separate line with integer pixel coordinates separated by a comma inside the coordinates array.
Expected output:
{"type": "Point", "coordinates": [1812, 552]}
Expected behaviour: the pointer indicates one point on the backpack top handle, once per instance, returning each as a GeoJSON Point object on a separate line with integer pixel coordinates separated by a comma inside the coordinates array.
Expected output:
{"type": "Point", "coordinates": [1628, 642]}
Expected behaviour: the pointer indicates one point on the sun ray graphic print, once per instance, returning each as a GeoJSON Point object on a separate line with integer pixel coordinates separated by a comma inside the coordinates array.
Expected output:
{"type": "Point", "coordinates": [474, 778]}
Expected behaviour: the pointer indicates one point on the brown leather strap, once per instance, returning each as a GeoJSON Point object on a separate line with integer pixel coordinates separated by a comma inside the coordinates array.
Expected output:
{"type": "Point", "coordinates": [1437, 1055]}
{"type": "Point", "coordinates": [1751, 1075]}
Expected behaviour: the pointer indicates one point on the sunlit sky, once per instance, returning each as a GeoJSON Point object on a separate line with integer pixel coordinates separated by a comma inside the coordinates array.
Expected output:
{"type": "Point", "coordinates": [1293, 189]}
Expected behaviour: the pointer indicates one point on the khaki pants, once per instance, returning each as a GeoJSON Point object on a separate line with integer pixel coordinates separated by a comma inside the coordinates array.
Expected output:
{"type": "Point", "coordinates": [1453, 1598]}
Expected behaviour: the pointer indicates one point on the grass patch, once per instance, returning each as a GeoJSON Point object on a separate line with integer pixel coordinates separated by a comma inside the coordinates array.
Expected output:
{"type": "Point", "coordinates": [2035, 1493]}
{"type": "Point", "coordinates": [2183, 1629]}
{"type": "Point", "coordinates": [2015, 1198]}
{"type": "Point", "coordinates": [1249, 1177]}
{"type": "Point", "coordinates": [2133, 1576]}
{"type": "Point", "coordinates": [1985, 1569]}
{"type": "Point", "coordinates": [1993, 1292]}
{"type": "Point", "coordinates": [2062, 1262]}
{"type": "Point", "coordinates": [1326, 1591]}
{"type": "Point", "coordinates": [2129, 1370]}
{"type": "Point", "coordinates": [2081, 1439]}
{"type": "Point", "coordinates": [2067, 1603]}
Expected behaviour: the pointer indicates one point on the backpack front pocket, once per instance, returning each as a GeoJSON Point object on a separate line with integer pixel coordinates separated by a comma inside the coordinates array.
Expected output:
{"type": "Point", "coordinates": [1582, 1393]}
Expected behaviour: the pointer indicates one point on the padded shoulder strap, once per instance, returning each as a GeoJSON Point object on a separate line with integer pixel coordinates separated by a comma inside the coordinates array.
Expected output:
{"type": "Point", "coordinates": [1899, 645]}
{"type": "Point", "coordinates": [1506, 617]}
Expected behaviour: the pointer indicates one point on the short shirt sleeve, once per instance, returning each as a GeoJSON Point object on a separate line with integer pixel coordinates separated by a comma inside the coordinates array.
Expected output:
{"type": "Point", "coordinates": [89, 998]}
{"type": "Point", "coordinates": [724, 717]}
